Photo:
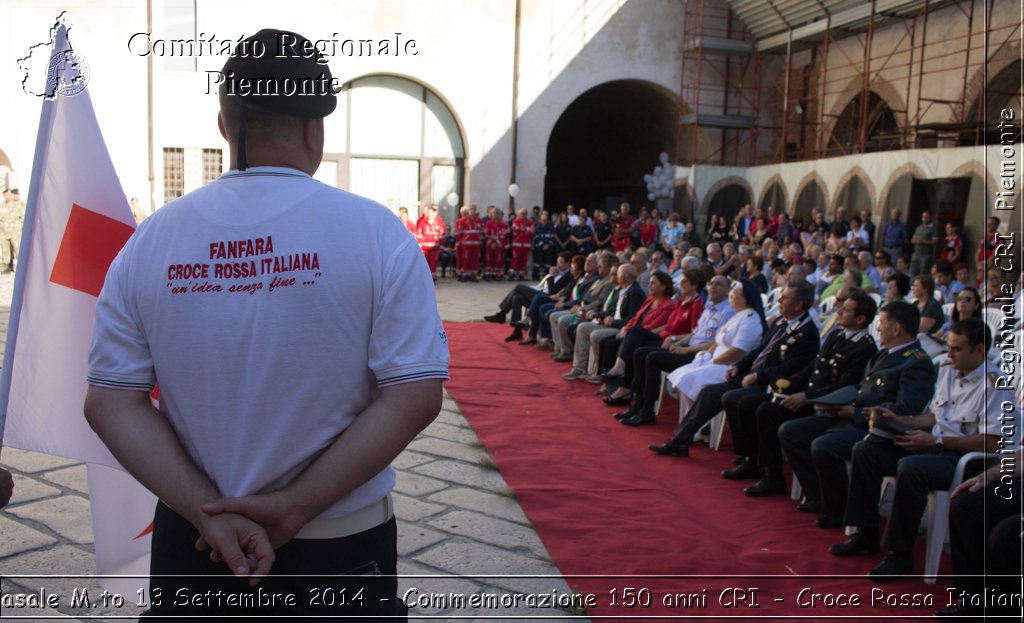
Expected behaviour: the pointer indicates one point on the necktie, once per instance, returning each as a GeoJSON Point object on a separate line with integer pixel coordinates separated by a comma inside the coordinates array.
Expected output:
{"type": "Point", "coordinates": [780, 332]}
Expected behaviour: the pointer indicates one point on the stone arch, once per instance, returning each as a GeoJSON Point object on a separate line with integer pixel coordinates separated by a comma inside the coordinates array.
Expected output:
{"type": "Point", "coordinates": [414, 173]}
{"type": "Point", "coordinates": [863, 178]}
{"type": "Point", "coordinates": [815, 179]}
{"type": "Point", "coordinates": [881, 87]}
{"type": "Point", "coordinates": [1007, 54]}
{"type": "Point", "coordinates": [774, 187]}
{"type": "Point", "coordinates": [884, 206]}
{"type": "Point", "coordinates": [605, 140]}
{"type": "Point", "coordinates": [733, 181]}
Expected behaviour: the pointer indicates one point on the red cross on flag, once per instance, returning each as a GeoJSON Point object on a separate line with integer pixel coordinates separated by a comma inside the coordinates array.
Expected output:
{"type": "Point", "coordinates": [76, 221]}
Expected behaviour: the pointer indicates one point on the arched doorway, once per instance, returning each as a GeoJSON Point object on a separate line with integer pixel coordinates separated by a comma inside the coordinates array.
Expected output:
{"type": "Point", "coordinates": [604, 143]}
{"type": "Point", "coordinates": [728, 201]}
{"type": "Point", "coordinates": [854, 196]}
{"type": "Point", "coordinates": [403, 145]}
{"type": "Point", "coordinates": [810, 197]}
{"type": "Point", "coordinates": [774, 195]}
{"type": "Point", "coordinates": [881, 131]}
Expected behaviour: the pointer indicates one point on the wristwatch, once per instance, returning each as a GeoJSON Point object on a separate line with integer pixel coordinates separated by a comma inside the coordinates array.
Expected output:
{"type": "Point", "coordinates": [939, 447]}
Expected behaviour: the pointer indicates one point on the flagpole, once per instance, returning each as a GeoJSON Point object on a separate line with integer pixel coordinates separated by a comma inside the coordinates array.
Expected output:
{"type": "Point", "coordinates": [42, 152]}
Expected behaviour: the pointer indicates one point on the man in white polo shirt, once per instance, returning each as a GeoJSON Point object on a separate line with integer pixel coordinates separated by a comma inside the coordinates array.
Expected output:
{"type": "Point", "coordinates": [273, 311]}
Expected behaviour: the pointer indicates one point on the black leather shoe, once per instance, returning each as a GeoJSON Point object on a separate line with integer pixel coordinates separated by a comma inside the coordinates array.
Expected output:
{"type": "Point", "coordinates": [628, 413]}
{"type": "Point", "coordinates": [768, 485]}
{"type": "Point", "coordinates": [498, 318]}
{"type": "Point", "coordinates": [618, 402]}
{"type": "Point", "coordinates": [670, 448]}
{"type": "Point", "coordinates": [892, 567]}
{"type": "Point", "coordinates": [522, 324]}
{"type": "Point", "coordinates": [828, 522]}
{"type": "Point", "coordinates": [860, 542]}
{"type": "Point", "coordinates": [517, 335]}
{"type": "Point", "coordinates": [612, 379]}
{"type": "Point", "coordinates": [639, 420]}
{"type": "Point", "coordinates": [746, 469]}
{"type": "Point", "coordinates": [809, 506]}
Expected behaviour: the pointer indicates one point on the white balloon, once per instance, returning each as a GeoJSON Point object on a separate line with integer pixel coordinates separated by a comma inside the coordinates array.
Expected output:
{"type": "Point", "coordinates": [651, 196]}
{"type": "Point", "coordinates": [647, 177]}
{"type": "Point", "coordinates": [513, 190]}
{"type": "Point", "coordinates": [453, 200]}
{"type": "Point", "coordinates": [663, 157]}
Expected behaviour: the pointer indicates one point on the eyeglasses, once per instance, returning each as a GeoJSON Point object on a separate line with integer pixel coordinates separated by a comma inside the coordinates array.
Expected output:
{"type": "Point", "coordinates": [879, 257]}
{"type": "Point", "coordinates": [965, 299]}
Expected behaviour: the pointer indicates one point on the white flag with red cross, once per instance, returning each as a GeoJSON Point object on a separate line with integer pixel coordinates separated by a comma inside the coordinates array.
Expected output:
{"type": "Point", "coordinates": [76, 221]}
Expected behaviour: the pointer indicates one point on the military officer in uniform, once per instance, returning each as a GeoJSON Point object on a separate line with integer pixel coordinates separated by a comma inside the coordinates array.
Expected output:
{"type": "Point", "coordinates": [923, 452]}
{"type": "Point", "coordinates": [791, 344]}
{"type": "Point", "coordinates": [840, 363]}
{"type": "Point", "coordinates": [900, 377]}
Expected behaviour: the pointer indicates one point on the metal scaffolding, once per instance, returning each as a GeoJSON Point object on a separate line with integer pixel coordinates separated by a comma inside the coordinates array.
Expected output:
{"type": "Point", "coordinates": [757, 76]}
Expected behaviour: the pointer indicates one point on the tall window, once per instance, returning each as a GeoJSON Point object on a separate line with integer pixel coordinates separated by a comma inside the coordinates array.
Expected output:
{"type": "Point", "coordinates": [174, 173]}
{"type": "Point", "coordinates": [188, 168]}
{"type": "Point", "coordinates": [402, 145]}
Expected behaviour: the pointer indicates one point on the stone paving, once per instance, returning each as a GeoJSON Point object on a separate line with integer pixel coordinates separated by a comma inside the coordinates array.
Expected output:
{"type": "Point", "coordinates": [461, 531]}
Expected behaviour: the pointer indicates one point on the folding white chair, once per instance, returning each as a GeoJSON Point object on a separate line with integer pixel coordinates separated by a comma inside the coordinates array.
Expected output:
{"type": "Point", "coordinates": [936, 519]}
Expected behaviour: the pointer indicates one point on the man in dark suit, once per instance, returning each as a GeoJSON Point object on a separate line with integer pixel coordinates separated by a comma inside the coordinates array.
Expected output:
{"type": "Point", "coordinates": [520, 296]}
{"type": "Point", "coordinates": [840, 363]}
{"type": "Point", "coordinates": [900, 377]}
{"type": "Point", "coordinates": [789, 346]}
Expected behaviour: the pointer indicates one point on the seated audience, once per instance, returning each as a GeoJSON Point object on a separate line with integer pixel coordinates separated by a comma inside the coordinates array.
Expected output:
{"type": "Point", "coordinates": [676, 351]}
{"type": "Point", "coordinates": [681, 321]}
{"type": "Point", "coordinates": [932, 318]}
{"type": "Point", "coordinates": [623, 303]}
{"type": "Point", "coordinates": [736, 338]}
{"type": "Point", "coordinates": [900, 377]}
{"type": "Point", "coordinates": [584, 270]}
{"type": "Point", "coordinates": [844, 354]}
{"type": "Point", "coordinates": [921, 451]}
{"type": "Point", "coordinates": [652, 316]}
{"type": "Point", "coordinates": [558, 279]}
{"type": "Point", "coordinates": [967, 305]}
{"type": "Point", "coordinates": [531, 323]}
{"type": "Point", "coordinates": [563, 321]}
{"type": "Point", "coordinates": [898, 288]}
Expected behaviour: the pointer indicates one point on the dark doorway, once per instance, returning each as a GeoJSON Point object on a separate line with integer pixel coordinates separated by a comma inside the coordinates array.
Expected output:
{"type": "Point", "coordinates": [854, 197]}
{"type": "Point", "coordinates": [945, 198]}
{"type": "Point", "coordinates": [605, 142]}
{"type": "Point", "coordinates": [728, 201]}
{"type": "Point", "coordinates": [809, 198]}
{"type": "Point", "coordinates": [774, 196]}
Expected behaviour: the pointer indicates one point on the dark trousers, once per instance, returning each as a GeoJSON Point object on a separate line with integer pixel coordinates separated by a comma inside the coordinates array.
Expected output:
{"type": "Point", "coordinates": [367, 558]}
{"type": "Point", "coordinates": [770, 417]}
{"type": "Point", "coordinates": [983, 539]}
{"type": "Point", "coordinates": [818, 448]}
{"type": "Point", "coordinates": [916, 474]}
{"type": "Point", "coordinates": [741, 412]}
{"type": "Point", "coordinates": [545, 321]}
{"type": "Point", "coordinates": [609, 348]}
{"type": "Point", "coordinates": [708, 404]}
{"type": "Point", "coordinates": [648, 364]}
{"type": "Point", "coordinates": [636, 338]}
{"type": "Point", "coordinates": [518, 297]}
{"type": "Point", "coordinates": [533, 313]}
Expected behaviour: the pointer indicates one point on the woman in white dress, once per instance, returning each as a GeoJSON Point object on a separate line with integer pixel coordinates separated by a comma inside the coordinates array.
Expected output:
{"type": "Point", "coordinates": [735, 338]}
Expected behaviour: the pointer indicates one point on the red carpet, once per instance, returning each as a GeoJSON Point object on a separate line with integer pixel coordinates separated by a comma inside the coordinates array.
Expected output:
{"type": "Point", "coordinates": [604, 505]}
